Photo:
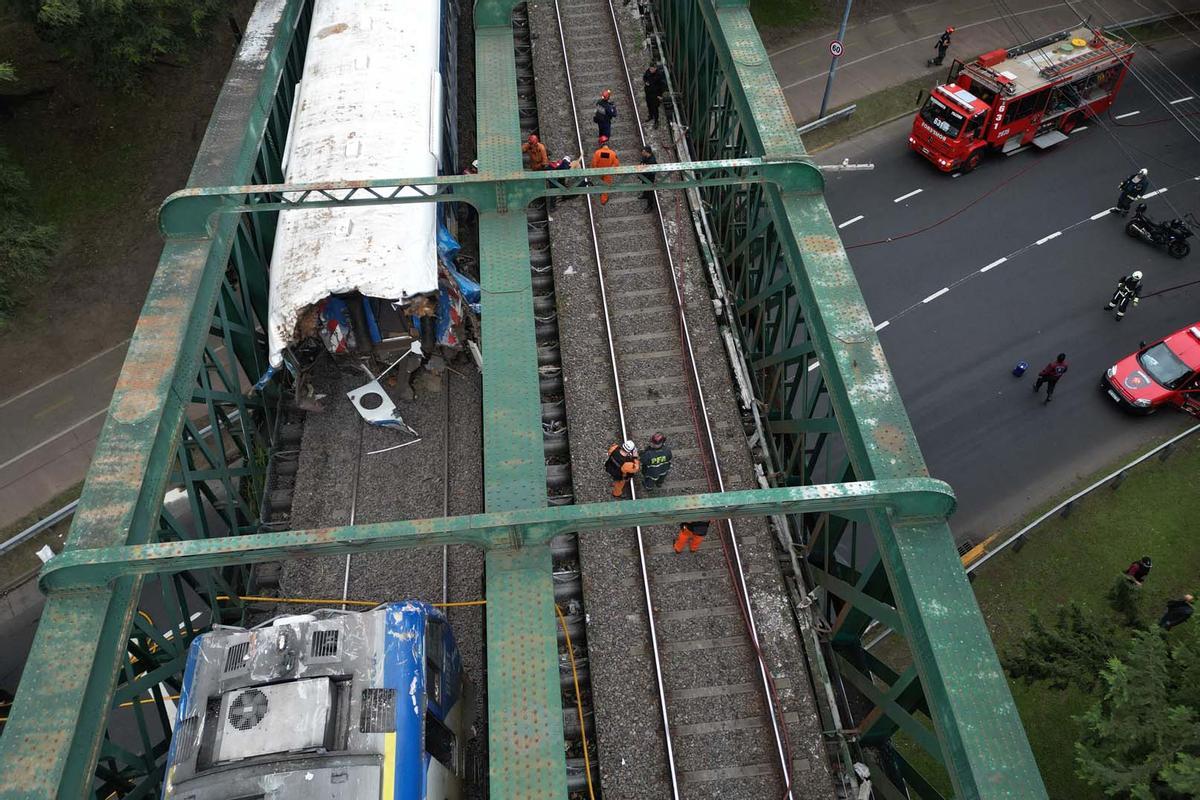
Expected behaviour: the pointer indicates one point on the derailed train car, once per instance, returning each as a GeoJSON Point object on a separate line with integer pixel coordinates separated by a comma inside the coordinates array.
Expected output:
{"type": "Point", "coordinates": [333, 705]}
{"type": "Point", "coordinates": [376, 100]}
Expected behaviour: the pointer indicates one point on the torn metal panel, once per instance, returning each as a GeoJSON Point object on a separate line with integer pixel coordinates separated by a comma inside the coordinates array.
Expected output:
{"type": "Point", "coordinates": [369, 104]}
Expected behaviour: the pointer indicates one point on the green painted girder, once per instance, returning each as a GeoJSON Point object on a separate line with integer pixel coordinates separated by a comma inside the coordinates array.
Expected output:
{"type": "Point", "coordinates": [189, 213]}
{"type": "Point", "coordinates": [528, 525]}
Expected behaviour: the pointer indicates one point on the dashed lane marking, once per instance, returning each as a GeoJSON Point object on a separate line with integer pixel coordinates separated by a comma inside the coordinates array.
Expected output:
{"type": "Point", "coordinates": [936, 294]}
{"type": "Point", "coordinates": [1100, 214]}
{"type": "Point", "coordinates": [851, 221]}
{"type": "Point", "coordinates": [994, 264]}
{"type": "Point", "coordinates": [1182, 100]}
{"type": "Point", "coordinates": [913, 193]}
{"type": "Point", "coordinates": [1156, 191]}
{"type": "Point", "coordinates": [1045, 239]}
{"type": "Point", "coordinates": [1081, 129]}
{"type": "Point", "coordinates": [1127, 114]}
{"type": "Point", "coordinates": [813, 365]}
{"type": "Point", "coordinates": [882, 325]}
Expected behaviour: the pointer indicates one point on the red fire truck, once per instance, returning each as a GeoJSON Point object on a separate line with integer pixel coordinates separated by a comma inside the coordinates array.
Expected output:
{"type": "Point", "coordinates": [1032, 94]}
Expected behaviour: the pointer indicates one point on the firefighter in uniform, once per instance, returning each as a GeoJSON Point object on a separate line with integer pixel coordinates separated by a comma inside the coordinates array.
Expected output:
{"type": "Point", "coordinates": [942, 45]}
{"type": "Point", "coordinates": [606, 112]}
{"type": "Point", "coordinates": [691, 533]}
{"type": "Point", "coordinates": [656, 462]}
{"type": "Point", "coordinates": [622, 464]}
{"type": "Point", "coordinates": [1131, 188]}
{"type": "Point", "coordinates": [538, 159]}
{"type": "Point", "coordinates": [655, 83]}
{"type": "Point", "coordinates": [605, 158]}
{"type": "Point", "coordinates": [1128, 288]}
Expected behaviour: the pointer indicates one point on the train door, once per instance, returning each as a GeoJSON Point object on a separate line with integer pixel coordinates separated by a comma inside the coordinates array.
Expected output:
{"type": "Point", "coordinates": [443, 741]}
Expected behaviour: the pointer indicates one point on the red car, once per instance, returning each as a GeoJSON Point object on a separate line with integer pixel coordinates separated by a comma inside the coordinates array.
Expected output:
{"type": "Point", "coordinates": [1166, 373]}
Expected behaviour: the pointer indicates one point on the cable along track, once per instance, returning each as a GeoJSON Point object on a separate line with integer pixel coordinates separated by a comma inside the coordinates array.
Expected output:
{"type": "Point", "coordinates": [718, 727]}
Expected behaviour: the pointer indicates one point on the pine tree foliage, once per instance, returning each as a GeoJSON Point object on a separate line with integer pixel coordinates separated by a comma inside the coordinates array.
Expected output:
{"type": "Point", "coordinates": [119, 38]}
{"type": "Point", "coordinates": [1142, 740]}
{"type": "Point", "coordinates": [1071, 652]}
{"type": "Point", "coordinates": [1125, 599]}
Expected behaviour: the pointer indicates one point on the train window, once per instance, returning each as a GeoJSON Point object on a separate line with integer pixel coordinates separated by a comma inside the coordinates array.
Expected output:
{"type": "Point", "coordinates": [440, 742]}
{"type": "Point", "coordinates": [208, 733]}
{"type": "Point", "coordinates": [435, 655]}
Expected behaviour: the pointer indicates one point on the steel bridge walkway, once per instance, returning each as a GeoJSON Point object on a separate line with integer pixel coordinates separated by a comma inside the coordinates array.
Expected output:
{"type": "Point", "coordinates": [795, 300]}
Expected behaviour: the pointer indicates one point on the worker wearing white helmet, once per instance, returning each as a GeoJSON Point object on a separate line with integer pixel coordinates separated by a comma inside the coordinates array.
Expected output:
{"type": "Point", "coordinates": [1132, 188]}
{"type": "Point", "coordinates": [1129, 288]}
{"type": "Point", "coordinates": [622, 464]}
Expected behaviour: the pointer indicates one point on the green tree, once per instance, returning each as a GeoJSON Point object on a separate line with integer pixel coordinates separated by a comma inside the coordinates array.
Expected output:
{"type": "Point", "coordinates": [1125, 599]}
{"type": "Point", "coordinates": [120, 38]}
{"type": "Point", "coordinates": [1142, 739]}
{"type": "Point", "coordinates": [1070, 652]}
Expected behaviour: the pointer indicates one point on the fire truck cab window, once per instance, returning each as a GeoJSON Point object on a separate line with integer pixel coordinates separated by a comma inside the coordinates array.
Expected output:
{"type": "Point", "coordinates": [976, 125]}
{"type": "Point", "coordinates": [942, 118]}
{"type": "Point", "coordinates": [1030, 104]}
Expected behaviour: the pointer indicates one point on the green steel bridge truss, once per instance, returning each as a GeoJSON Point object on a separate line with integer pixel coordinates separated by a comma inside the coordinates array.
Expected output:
{"type": "Point", "coordinates": [845, 463]}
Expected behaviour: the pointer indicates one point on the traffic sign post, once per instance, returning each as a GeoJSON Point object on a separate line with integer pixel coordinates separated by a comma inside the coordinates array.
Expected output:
{"type": "Point", "coordinates": [835, 50]}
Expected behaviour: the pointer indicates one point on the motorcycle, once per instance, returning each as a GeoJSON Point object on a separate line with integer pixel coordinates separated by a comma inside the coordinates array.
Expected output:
{"type": "Point", "coordinates": [1172, 235]}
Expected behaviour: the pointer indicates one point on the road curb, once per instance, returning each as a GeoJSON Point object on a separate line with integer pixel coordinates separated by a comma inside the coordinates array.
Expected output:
{"type": "Point", "coordinates": [867, 129]}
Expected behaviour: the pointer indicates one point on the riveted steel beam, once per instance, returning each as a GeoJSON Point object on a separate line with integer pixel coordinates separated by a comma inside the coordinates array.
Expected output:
{"type": "Point", "coordinates": [911, 498]}
{"type": "Point", "coordinates": [191, 212]}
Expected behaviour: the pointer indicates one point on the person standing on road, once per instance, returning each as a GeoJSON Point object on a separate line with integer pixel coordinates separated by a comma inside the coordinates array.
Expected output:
{"type": "Point", "coordinates": [655, 82]}
{"type": "Point", "coordinates": [538, 158]}
{"type": "Point", "coordinates": [1131, 188]}
{"type": "Point", "coordinates": [691, 533]}
{"type": "Point", "coordinates": [656, 462]}
{"type": "Point", "coordinates": [942, 45]}
{"type": "Point", "coordinates": [647, 196]}
{"type": "Point", "coordinates": [605, 158]}
{"type": "Point", "coordinates": [1128, 288]}
{"type": "Point", "coordinates": [1050, 375]}
{"type": "Point", "coordinates": [606, 112]}
{"type": "Point", "coordinates": [1177, 613]}
{"type": "Point", "coordinates": [1138, 571]}
{"type": "Point", "coordinates": [622, 464]}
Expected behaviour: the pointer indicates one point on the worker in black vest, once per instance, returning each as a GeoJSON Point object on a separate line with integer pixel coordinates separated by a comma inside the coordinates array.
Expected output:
{"type": "Point", "coordinates": [606, 112]}
{"type": "Point", "coordinates": [647, 196]}
{"type": "Point", "coordinates": [691, 533]}
{"type": "Point", "coordinates": [1131, 188]}
{"type": "Point", "coordinates": [942, 45]}
{"type": "Point", "coordinates": [655, 82]}
{"type": "Point", "coordinates": [622, 464]}
{"type": "Point", "coordinates": [656, 462]}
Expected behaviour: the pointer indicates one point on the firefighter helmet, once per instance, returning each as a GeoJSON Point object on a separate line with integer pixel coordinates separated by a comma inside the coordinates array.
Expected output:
{"type": "Point", "coordinates": [629, 447]}
{"type": "Point", "coordinates": [1143, 171]}
{"type": "Point", "coordinates": [607, 93]}
{"type": "Point", "coordinates": [1137, 275]}
{"type": "Point", "coordinates": [533, 138]}
{"type": "Point", "coordinates": [657, 440]}
{"type": "Point", "coordinates": [949, 29]}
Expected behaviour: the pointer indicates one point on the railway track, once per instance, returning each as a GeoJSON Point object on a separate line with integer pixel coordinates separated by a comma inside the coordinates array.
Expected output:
{"type": "Point", "coordinates": [718, 720]}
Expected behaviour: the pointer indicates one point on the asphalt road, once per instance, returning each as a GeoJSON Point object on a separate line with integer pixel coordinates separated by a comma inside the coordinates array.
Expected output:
{"type": "Point", "coordinates": [981, 429]}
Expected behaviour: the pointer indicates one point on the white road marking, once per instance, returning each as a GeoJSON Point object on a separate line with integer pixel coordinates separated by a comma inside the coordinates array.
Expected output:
{"type": "Point", "coordinates": [936, 294]}
{"type": "Point", "coordinates": [994, 264]}
{"type": "Point", "coordinates": [813, 365]}
{"type": "Point", "coordinates": [1183, 100]}
{"type": "Point", "coordinates": [956, 174]}
{"type": "Point", "coordinates": [882, 325]}
{"type": "Point", "coordinates": [1127, 114]}
{"type": "Point", "coordinates": [851, 221]}
{"type": "Point", "coordinates": [48, 381]}
{"type": "Point", "coordinates": [906, 196]}
{"type": "Point", "coordinates": [1156, 191]}
{"type": "Point", "coordinates": [1045, 239]}
{"type": "Point", "coordinates": [1103, 213]}
{"type": "Point", "coordinates": [1018, 150]}
{"type": "Point", "coordinates": [1080, 129]}
{"type": "Point", "coordinates": [56, 436]}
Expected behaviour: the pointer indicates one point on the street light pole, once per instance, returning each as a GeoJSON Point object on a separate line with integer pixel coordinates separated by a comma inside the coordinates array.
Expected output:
{"type": "Point", "coordinates": [833, 63]}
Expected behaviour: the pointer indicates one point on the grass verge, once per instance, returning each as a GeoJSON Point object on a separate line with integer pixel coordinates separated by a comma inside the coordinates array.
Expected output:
{"type": "Point", "coordinates": [20, 563]}
{"type": "Point", "coordinates": [783, 13]}
{"type": "Point", "coordinates": [1079, 558]}
{"type": "Point", "coordinates": [873, 110]}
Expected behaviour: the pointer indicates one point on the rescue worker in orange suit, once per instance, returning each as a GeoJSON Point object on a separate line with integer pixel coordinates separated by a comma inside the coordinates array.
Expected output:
{"type": "Point", "coordinates": [942, 45]}
{"type": "Point", "coordinates": [605, 158]}
{"type": "Point", "coordinates": [656, 462]}
{"type": "Point", "coordinates": [691, 534]}
{"type": "Point", "coordinates": [622, 465]}
{"type": "Point", "coordinates": [538, 157]}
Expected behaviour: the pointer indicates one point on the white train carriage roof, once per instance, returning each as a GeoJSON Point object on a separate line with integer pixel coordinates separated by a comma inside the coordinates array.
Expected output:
{"type": "Point", "coordinates": [369, 106]}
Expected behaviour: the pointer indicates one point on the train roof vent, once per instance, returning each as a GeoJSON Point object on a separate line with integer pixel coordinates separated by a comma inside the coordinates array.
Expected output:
{"type": "Point", "coordinates": [274, 718]}
{"type": "Point", "coordinates": [248, 709]}
{"type": "Point", "coordinates": [378, 711]}
{"type": "Point", "coordinates": [235, 657]}
{"type": "Point", "coordinates": [186, 739]}
{"type": "Point", "coordinates": [324, 644]}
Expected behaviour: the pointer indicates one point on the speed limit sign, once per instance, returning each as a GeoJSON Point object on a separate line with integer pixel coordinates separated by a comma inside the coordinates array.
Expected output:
{"type": "Point", "coordinates": [835, 48]}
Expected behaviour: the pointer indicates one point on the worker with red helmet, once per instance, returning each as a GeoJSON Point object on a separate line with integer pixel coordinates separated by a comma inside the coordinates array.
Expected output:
{"type": "Point", "coordinates": [605, 158]}
{"type": "Point", "coordinates": [622, 464]}
{"type": "Point", "coordinates": [656, 462]}
{"type": "Point", "coordinates": [942, 45]}
{"type": "Point", "coordinates": [606, 112]}
{"type": "Point", "coordinates": [538, 157]}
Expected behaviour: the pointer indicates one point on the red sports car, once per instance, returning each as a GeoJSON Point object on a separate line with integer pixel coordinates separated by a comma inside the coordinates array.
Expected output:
{"type": "Point", "coordinates": [1166, 373]}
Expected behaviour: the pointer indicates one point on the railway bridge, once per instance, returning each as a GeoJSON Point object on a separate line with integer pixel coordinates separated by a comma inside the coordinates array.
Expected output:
{"type": "Point", "coordinates": [843, 482]}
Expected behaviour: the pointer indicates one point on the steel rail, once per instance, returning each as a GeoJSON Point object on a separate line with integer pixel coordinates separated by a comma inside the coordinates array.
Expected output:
{"type": "Point", "coordinates": [775, 711]}
{"type": "Point", "coordinates": [612, 354]}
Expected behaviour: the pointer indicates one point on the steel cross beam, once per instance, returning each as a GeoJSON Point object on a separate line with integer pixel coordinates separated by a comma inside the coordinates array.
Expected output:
{"type": "Point", "coordinates": [189, 213]}
{"type": "Point", "coordinates": [913, 499]}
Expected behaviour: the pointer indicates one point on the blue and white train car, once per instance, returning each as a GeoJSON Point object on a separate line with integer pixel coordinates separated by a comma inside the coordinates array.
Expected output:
{"type": "Point", "coordinates": [376, 100]}
{"type": "Point", "coordinates": [335, 705]}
